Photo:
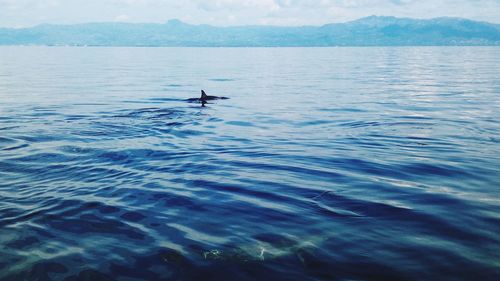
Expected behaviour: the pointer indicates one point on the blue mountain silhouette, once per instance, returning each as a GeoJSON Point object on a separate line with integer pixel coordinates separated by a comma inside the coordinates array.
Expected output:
{"type": "Point", "coordinates": [369, 31]}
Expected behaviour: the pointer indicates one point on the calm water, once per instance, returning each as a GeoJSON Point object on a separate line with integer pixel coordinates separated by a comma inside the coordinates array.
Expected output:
{"type": "Point", "coordinates": [324, 164]}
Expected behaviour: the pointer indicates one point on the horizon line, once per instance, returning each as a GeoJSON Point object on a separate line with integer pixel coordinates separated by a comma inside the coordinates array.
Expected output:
{"type": "Point", "coordinates": [176, 20]}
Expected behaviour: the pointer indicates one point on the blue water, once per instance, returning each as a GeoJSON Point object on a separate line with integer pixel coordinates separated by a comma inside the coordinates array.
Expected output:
{"type": "Point", "coordinates": [324, 164]}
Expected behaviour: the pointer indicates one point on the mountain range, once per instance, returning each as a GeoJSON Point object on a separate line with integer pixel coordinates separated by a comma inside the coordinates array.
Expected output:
{"type": "Point", "coordinates": [369, 31]}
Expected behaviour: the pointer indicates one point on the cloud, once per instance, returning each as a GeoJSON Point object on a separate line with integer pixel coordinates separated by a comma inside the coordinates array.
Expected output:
{"type": "Point", "coordinates": [236, 12]}
{"type": "Point", "coordinates": [218, 5]}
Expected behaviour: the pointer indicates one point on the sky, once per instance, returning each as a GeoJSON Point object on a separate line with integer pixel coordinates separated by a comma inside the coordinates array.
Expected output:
{"type": "Point", "coordinates": [25, 13]}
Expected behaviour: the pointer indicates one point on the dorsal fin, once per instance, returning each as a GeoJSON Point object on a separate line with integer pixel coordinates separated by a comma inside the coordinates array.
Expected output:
{"type": "Point", "coordinates": [203, 95]}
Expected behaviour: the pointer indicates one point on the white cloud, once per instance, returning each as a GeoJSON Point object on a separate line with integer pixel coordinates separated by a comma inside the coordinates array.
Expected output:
{"type": "Point", "coordinates": [236, 12]}
{"type": "Point", "coordinates": [218, 5]}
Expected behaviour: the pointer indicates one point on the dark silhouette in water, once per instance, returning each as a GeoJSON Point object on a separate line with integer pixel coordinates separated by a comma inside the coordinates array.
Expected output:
{"type": "Point", "coordinates": [205, 98]}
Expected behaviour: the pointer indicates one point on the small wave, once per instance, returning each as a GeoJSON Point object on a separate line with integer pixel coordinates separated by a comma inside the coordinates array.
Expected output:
{"type": "Point", "coordinates": [361, 169]}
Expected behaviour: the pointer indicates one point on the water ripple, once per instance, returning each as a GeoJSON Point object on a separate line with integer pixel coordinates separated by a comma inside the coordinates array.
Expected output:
{"type": "Point", "coordinates": [347, 164]}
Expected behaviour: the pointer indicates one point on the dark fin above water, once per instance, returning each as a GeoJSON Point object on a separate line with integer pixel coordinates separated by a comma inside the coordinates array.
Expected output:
{"type": "Point", "coordinates": [204, 98]}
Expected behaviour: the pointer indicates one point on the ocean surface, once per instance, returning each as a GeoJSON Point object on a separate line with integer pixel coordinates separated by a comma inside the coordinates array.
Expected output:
{"type": "Point", "coordinates": [323, 164]}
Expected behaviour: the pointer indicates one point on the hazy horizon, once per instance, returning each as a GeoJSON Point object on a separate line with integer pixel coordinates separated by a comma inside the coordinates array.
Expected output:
{"type": "Point", "coordinates": [246, 25]}
{"type": "Point", "coordinates": [28, 13]}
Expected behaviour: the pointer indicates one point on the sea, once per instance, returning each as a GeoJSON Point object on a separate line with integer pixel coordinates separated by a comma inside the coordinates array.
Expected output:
{"type": "Point", "coordinates": [365, 163]}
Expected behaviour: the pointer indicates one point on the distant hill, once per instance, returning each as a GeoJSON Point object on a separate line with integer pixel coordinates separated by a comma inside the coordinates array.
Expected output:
{"type": "Point", "coordinates": [369, 31]}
